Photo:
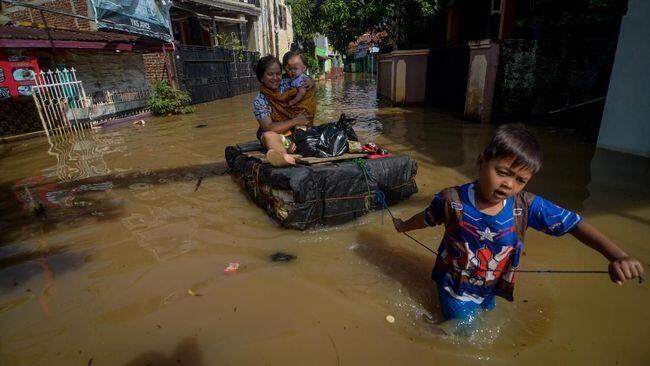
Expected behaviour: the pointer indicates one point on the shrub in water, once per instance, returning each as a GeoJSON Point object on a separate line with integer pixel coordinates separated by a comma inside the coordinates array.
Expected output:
{"type": "Point", "coordinates": [166, 100]}
{"type": "Point", "coordinates": [313, 66]}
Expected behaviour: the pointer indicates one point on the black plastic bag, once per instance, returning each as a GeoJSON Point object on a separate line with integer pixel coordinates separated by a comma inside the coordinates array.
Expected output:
{"type": "Point", "coordinates": [327, 140]}
{"type": "Point", "coordinates": [345, 123]}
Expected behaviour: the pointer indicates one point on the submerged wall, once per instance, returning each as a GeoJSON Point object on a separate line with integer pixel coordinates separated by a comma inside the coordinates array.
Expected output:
{"type": "Point", "coordinates": [102, 71]}
{"type": "Point", "coordinates": [626, 120]}
{"type": "Point", "coordinates": [402, 76]}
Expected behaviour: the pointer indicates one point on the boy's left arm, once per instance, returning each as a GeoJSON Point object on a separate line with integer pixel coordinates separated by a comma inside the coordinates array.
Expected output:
{"type": "Point", "coordinates": [621, 267]}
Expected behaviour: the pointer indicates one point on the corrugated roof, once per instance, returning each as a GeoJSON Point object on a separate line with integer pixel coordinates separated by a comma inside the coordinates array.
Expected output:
{"type": "Point", "coordinates": [33, 33]}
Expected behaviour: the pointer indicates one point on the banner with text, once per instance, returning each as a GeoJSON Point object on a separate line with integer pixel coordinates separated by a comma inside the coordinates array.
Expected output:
{"type": "Point", "coordinates": [145, 17]}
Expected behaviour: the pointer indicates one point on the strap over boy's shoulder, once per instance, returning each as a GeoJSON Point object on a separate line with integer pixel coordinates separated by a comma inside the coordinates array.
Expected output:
{"type": "Point", "coordinates": [522, 203]}
{"type": "Point", "coordinates": [453, 206]}
{"type": "Point", "coordinates": [451, 194]}
{"type": "Point", "coordinates": [521, 207]}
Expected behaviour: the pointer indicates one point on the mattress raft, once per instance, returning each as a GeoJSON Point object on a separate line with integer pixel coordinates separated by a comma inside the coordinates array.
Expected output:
{"type": "Point", "coordinates": [321, 191]}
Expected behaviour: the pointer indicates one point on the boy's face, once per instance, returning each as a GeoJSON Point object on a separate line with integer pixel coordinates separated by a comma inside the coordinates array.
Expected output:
{"type": "Point", "coordinates": [295, 67]}
{"type": "Point", "coordinates": [498, 179]}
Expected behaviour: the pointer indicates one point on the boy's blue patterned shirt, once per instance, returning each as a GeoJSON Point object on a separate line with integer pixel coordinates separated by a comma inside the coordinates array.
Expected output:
{"type": "Point", "coordinates": [485, 248]}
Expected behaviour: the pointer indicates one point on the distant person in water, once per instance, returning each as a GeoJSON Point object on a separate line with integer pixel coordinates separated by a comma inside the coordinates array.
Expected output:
{"type": "Point", "coordinates": [485, 222]}
{"type": "Point", "coordinates": [275, 122]}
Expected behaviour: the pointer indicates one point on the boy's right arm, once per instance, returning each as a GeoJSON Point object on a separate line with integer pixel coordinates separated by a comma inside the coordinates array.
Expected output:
{"type": "Point", "coordinates": [414, 223]}
{"type": "Point", "coordinates": [433, 215]}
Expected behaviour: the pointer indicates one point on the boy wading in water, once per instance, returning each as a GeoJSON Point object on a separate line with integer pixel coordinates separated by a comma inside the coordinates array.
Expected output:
{"type": "Point", "coordinates": [485, 222]}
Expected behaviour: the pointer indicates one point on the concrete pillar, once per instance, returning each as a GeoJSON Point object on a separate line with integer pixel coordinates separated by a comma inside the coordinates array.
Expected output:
{"type": "Point", "coordinates": [483, 66]}
{"type": "Point", "coordinates": [400, 82]}
{"type": "Point", "coordinates": [453, 24]}
{"type": "Point", "coordinates": [507, 18]}
{"type": "Point", "coordinates": [625, 126]}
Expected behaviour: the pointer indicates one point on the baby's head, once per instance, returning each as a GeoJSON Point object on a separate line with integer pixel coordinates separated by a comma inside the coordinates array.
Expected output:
{"type": "Point", "coordinates": [508, 163]}
{"type": "Point", "coordinates": [296, 64]}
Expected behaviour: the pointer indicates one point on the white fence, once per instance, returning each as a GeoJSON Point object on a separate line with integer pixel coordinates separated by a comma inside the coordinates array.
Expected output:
{"type": "Point", "coordinates": [63, 105]}
{"type": "Point", "coordinates": [54, 94]}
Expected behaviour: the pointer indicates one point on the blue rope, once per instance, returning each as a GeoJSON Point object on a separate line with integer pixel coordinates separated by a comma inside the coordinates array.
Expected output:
{"type": "Point", "coordinates": [380, 198]}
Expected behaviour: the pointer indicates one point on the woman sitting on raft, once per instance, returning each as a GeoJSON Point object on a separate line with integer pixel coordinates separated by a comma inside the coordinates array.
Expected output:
{"type": "Point", "coordinates": [275, 118]}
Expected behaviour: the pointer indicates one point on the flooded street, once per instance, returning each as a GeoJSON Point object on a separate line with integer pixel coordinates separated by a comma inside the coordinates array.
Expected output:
{"type": "Point", "coordinates": [112, 251]}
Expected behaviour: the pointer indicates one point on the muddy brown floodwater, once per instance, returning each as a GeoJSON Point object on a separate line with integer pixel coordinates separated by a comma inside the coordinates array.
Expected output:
{"type": "Point", "coordinates": [103, 273]}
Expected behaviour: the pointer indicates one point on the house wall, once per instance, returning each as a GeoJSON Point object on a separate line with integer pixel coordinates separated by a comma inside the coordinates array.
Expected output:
{"type": "Point", "coordinates": [625, 125]}
{"type": "Point", "coordinates": [285, 35]}
{"type": "Point", "coordinates": [252, 29]}
{"type": "Point", "coordinates": [32, 16]}
{"type": "Point", "coordinates": [101, 71]}
{"type": "Point", "coordinates": [402, 75]}
{"type": "Point", "coordinates": [483, 65]}
{"type": "Point", "coordinates": [154, 62]}
{"type": "Point", "coordinates": [154, 67]}
{"type": "Point", "coordinates": [18, 117]}
{"type": "Point", "coordinates": [385, 77]}
{"type": "Point", "coordinates": [537, 78]}
{"type": "Point", "coordinates": [269, 27]}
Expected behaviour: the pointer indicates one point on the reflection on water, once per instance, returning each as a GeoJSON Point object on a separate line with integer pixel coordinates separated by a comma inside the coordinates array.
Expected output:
{"type": "Point", "coordinates": [80, 154]}
{"type": "Point", "coordinates": [102, 270]}
{"type": "Point", "coordinates": [359, 96]}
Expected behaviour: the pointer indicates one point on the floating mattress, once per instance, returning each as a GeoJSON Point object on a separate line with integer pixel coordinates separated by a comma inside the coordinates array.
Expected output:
{"type": "Point", "coordinates": [317, 193]}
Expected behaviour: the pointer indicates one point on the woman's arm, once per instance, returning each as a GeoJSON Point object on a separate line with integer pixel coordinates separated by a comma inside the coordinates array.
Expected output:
{"type": "Point", "coordinates": [268, 125]}
{"type": "Point", "coordinates": [621, 267]}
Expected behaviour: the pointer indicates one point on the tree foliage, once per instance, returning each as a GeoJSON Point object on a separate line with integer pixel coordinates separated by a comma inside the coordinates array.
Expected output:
{"type": "Point", "coordinates": [342, 21]}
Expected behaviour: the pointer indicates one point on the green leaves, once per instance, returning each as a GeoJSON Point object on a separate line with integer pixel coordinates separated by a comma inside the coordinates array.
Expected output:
{"type": "Point", "coordinates": [165, 100]}
{"type": "Point", "coordinates": [344, 20]}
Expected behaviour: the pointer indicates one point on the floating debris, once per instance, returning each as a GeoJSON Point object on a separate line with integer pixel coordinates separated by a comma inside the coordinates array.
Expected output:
{"type": "Point", "coordinates": [38, 211]}
{"type": "Point", "coordinates": [192, 293]}
{"type": "Point", "coordinates": [282, 257]}
{"type": "Point", "coordinates": [198, 183]}
{"type": "Point", "coordinates": [200, 126]}
{"type": "Point", "coordinates": [232, 268]}
{"type": "Point", "coordinates": [390, 319]}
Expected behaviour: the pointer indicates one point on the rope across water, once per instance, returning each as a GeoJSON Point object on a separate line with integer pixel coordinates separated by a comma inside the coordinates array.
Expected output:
{"type": "Point", "coordinates": [380, 199]}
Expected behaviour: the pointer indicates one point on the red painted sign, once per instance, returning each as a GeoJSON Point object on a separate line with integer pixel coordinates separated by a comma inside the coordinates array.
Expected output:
{"type": "Point", "coordinates": [18, 69]}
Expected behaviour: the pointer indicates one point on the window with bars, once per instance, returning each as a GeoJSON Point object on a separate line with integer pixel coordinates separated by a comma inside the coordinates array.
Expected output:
{"type": "Point", "coordinates": [243, 35]}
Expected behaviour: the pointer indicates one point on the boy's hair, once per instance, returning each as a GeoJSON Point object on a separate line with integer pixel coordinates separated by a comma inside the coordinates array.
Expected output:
{"type": "Point", "coordinates": [515, 140]}
{"type": "Point", "coordinates": [263, 64]}
{"type": "Point", "coordinates": [289, 55]}
{"type": "Point", "coordinates": [286, 57]}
